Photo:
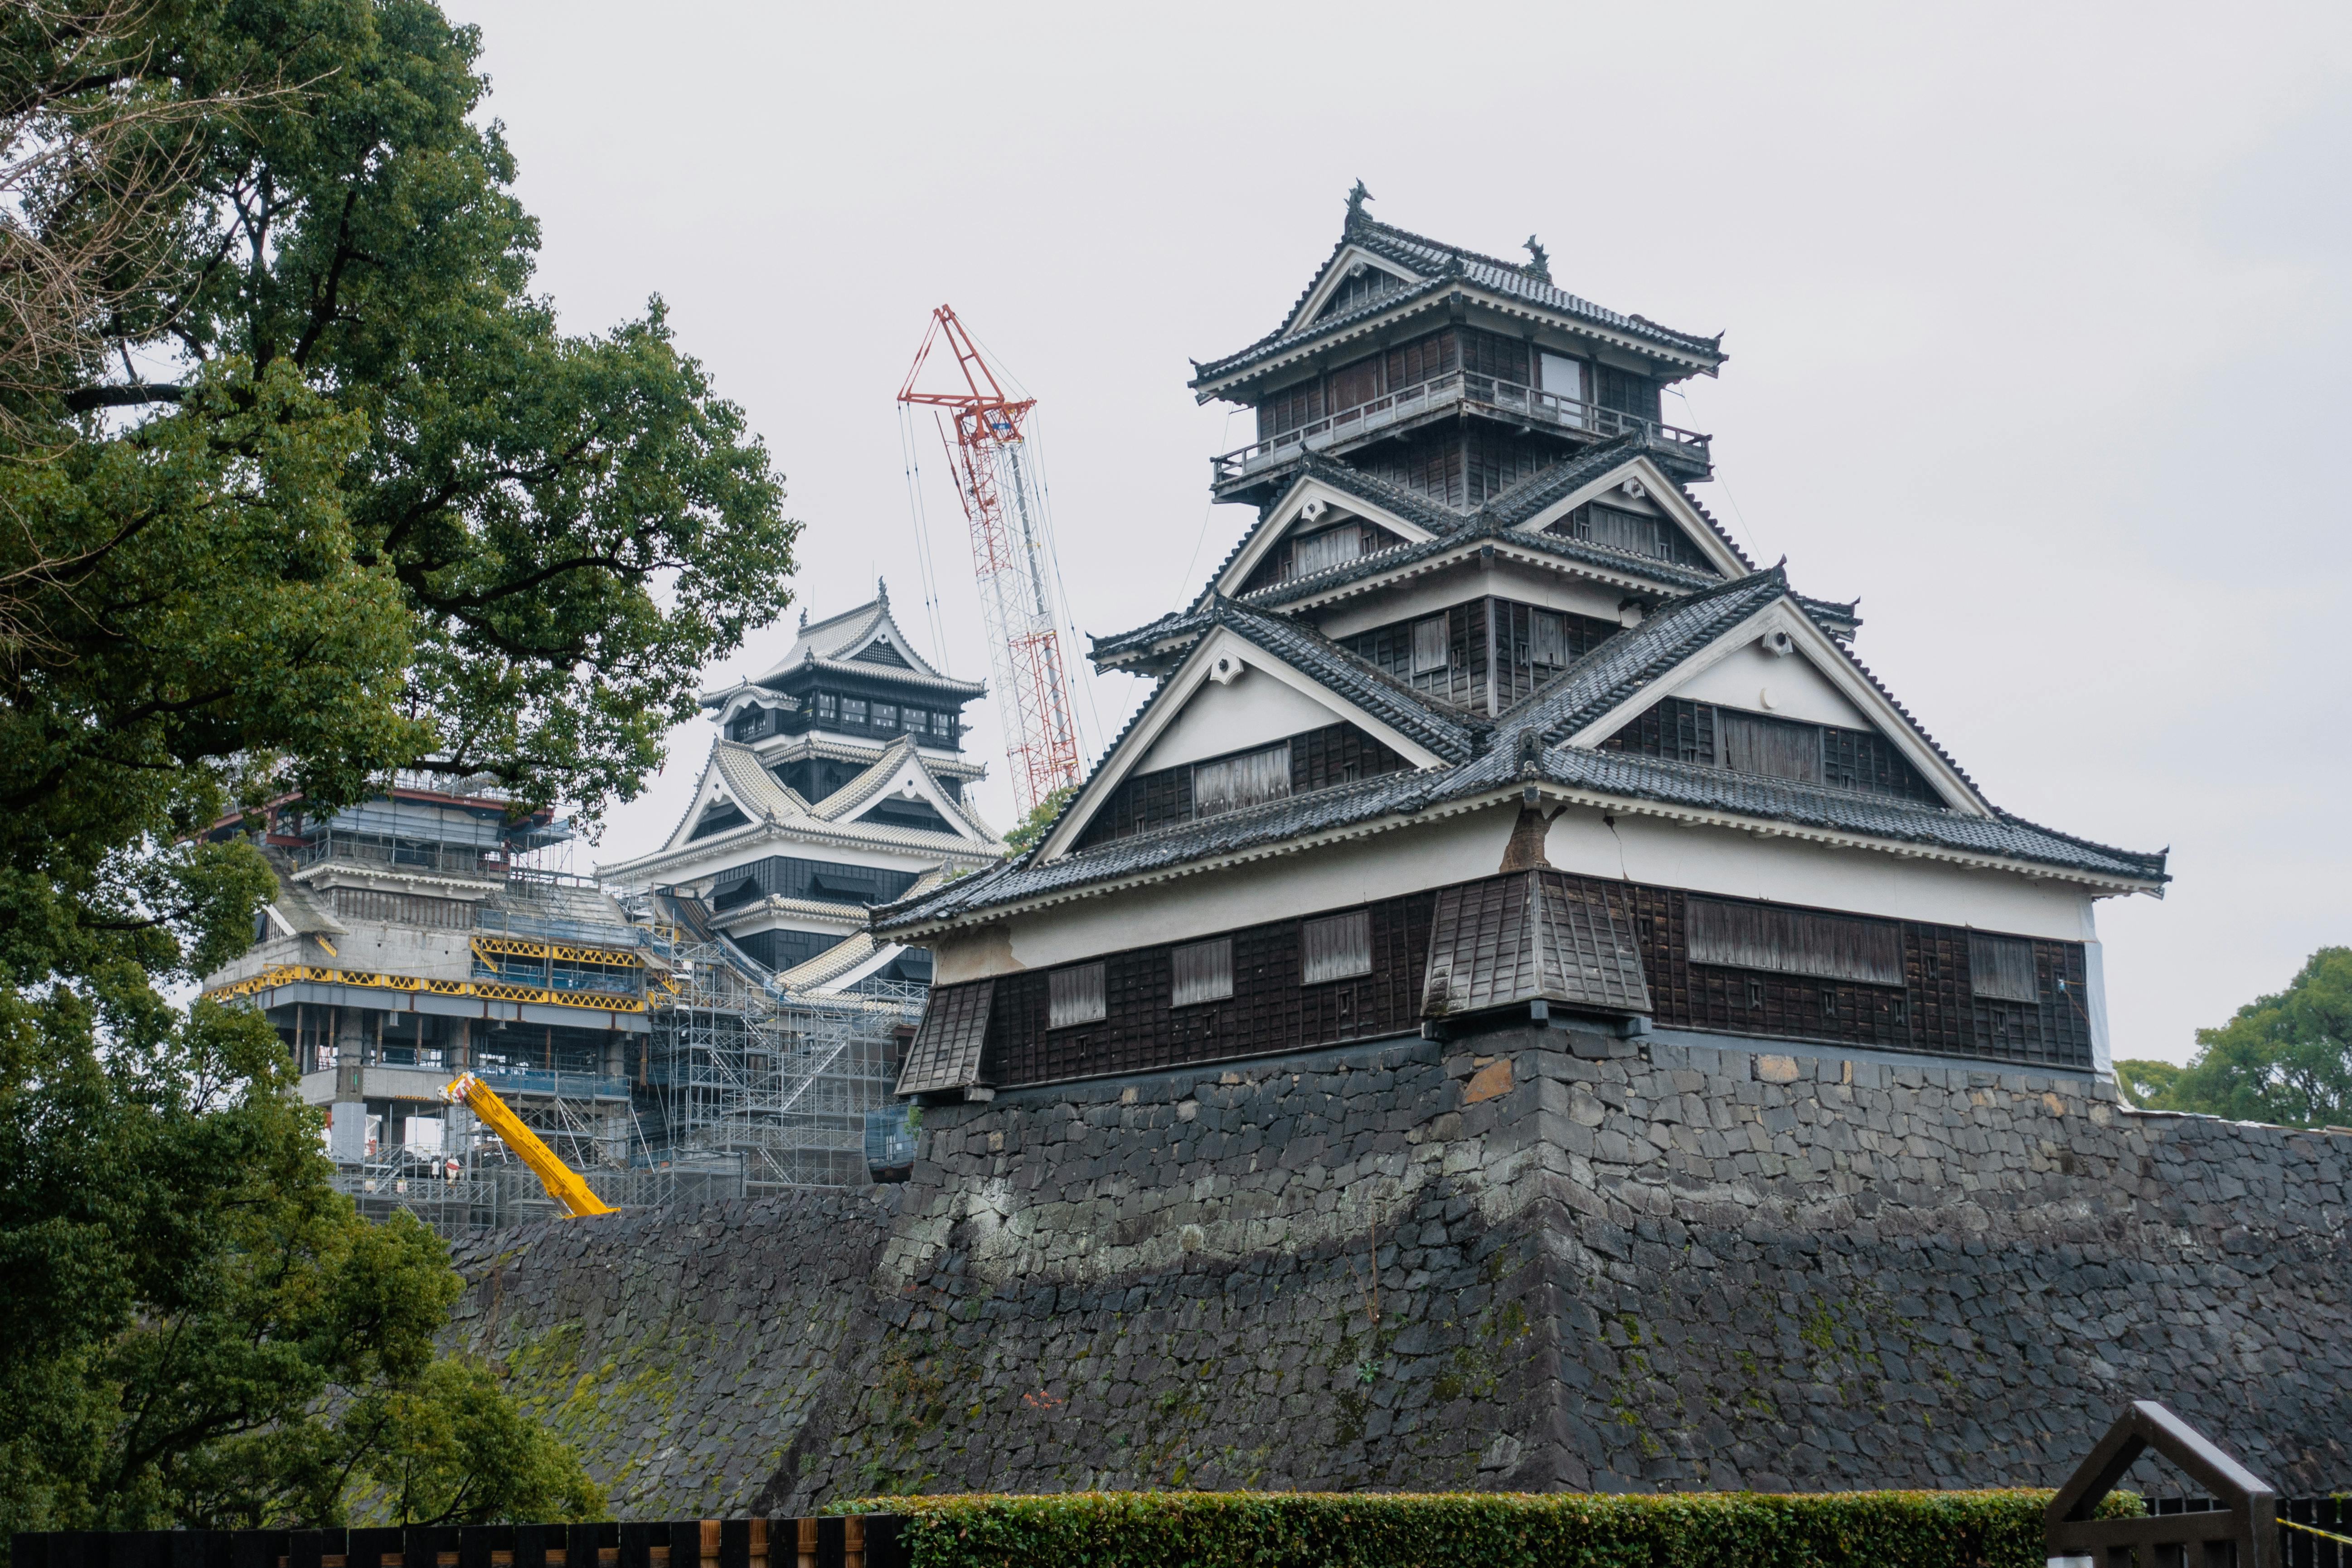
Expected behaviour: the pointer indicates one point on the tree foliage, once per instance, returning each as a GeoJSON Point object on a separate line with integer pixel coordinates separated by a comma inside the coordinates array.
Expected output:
{"type": "Point", "coordinates": [300, 483]}
{"type": "Point", "coordinates": [1041, 817]}
{"type": "Point", "coordinates": [2285, 1058]}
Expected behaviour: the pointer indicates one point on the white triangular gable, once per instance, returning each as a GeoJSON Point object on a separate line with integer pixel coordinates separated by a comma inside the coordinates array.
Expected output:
{"type": "Point", "coordinates": [911, 781]}
{"type": "Point", "coordinates": [1814, 680]}
{"type": "Point", "coordinates": [1335, 275]}
{"type": "Point", "coordinates": [1223, 658]}
{"type": "Point", "coordinates": [1662, 492]}
{"type": "Point", "coordinates": [710, 791]}
{"type": "Point", "coordinates": [885, 629]}
{"type": "Point", "coordinates": [1328, 504]}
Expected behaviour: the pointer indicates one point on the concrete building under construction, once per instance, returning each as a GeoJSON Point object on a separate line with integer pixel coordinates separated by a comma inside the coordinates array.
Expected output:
{"type": "Point", "coordinates": [428, 931]}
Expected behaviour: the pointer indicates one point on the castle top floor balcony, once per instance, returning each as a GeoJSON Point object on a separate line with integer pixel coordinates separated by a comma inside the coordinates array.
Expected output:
{"type": "Point", "coordinates": [1684, 453]}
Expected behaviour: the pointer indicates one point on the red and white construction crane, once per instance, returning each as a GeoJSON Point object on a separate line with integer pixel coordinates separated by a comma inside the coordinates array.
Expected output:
{"type": "Point", "coordinates": [996, 477]}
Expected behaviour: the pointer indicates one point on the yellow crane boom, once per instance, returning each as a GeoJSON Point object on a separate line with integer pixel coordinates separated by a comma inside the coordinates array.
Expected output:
{"type": "Point", "coordinates": [562, 1182]}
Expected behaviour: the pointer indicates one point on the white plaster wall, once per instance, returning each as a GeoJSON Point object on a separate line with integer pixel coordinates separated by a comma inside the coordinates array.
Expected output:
{"type": "Point", "coordinates": [1259, 708]}
{"type": "Point", "coordinates": [1732, 863]}
{"type": "Point", "coordinates": [1442, 590]}
{"type": "Point", "coordinates": [1797, 690]}
{"type": "Point", "coordinates": [1454, 850]}
{"type": "Point", "coordinates": [1457, 849]}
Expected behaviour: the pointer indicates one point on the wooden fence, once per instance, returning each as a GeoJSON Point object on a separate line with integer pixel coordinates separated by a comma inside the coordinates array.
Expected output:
{"type": "Point", "coordinates": [869, 1541]}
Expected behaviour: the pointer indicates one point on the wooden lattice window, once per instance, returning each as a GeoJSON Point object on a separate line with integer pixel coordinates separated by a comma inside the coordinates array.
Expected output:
{"type": "Point", "coordinates": [1336, 947]}
{"type": "Point", "coordinates": [1074, 996]}
{"type": "Point", "coordinates": [1201, 971]}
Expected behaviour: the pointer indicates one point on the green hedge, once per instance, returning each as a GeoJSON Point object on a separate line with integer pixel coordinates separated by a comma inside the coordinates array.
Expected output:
{"type": "Point", "coordinates": [1477, 1529]}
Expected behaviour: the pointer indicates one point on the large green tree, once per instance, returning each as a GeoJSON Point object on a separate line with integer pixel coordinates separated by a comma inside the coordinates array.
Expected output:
{"type": "Point", "coordinates": [300, 484]}
{"type": "Point", "coordinates": [2285, 1058]}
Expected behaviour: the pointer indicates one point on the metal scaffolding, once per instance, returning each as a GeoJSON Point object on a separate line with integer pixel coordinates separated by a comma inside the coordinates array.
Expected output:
{"type": "Point", "coordinates": [740, 1067]}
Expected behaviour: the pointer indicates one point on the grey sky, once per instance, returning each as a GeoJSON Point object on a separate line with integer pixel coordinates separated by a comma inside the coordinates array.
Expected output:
{"type": "Point", "coordinates": [2037, 317]}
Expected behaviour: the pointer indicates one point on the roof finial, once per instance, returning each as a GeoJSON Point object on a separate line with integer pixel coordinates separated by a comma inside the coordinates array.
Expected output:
{"type": "Point", "coordinates": [1538, 261]}
{"type": "Point", "coordinates": [803, 617]}
{"type": "Point", "coordinates": [1356, 200]}
{"type": "Point", "coordinates": [882, 592]}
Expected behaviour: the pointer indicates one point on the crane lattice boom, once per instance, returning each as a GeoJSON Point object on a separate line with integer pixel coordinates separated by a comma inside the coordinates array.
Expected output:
{"type": "Point", "coordinates": [997, 480]}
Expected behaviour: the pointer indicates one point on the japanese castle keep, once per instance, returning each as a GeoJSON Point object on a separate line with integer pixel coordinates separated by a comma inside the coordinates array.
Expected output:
{"type": "Point", "coordinates": [1485, 720]}
{"type": "Point", "coordinates": [835, 782]}
{"type": "Point", "coordinates": [1521, 1006]}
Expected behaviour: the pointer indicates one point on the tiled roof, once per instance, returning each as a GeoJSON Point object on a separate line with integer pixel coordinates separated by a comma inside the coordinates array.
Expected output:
{"type": "Point", "coordinates": [775, 808]}
{"type": "Point", "coordinates": [843, 803]}
{"type": "Point", "coordinates": [835, 747]}
{"type": "Point", "coordinates": [1449, 732]}
{"type": "Point", "coordinates": [829, 643]}
{"type": "Point", "coordinates": [1603, 679]}
{"type": "Point", "coordinates": [1623, 664]}
{"type": "Point", "coordinates": [1497, 518]}
{"type": "Point", "coordinates": [1531, 495]}
{"type": "Point", "coordinates": [1435, 265]}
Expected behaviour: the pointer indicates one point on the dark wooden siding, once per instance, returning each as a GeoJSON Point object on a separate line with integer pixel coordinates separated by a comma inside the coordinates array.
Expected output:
{"type": "Point", "coordinates": [828, 881]}
{"type": "Point", "coordinates": [1460, 468]}
{"type": "Point", "coordinates": [1276, 566]}
{"type": "Point", "coordinates": [1422, 359]}
{"type": "Point", "coordinates": [1491, 353]}
{"type": "Point", "coordinates": [1269, 1011]}
{"type": "Point", "coordinates": [1629, 392]}
{"type": "Point", "coordinates": [1635, 533]}
{"type": "Point", "coordinates": [1461, 682]}
{"type": "Point", "coordinates": [1686, 732]}
{"type": "Point", "coordinates": [1493, 460]}
{"type": "Point", "coordinates": [1933, 1011]}
{"type": "Point", "coordinates": [1334, 754]}
{"type": "Point", "coordinates": [1518, 673]}
{"type": "Point", "coordinates": [1289, 408]}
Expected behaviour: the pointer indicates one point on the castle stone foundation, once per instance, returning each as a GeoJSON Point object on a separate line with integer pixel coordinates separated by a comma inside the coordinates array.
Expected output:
{"type": "Point", "coordinates": [1528, 1260]}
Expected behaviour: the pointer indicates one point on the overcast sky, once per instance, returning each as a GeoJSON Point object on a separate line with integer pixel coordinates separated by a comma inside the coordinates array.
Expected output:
{"type": "Point", "coordinates": [2037, 318]}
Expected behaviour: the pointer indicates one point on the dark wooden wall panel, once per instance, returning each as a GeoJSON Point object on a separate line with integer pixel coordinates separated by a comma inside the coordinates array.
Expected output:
{"type": "Point", "coordinates": [1335, 754]}
{"type": "Point", "coordinates": [1932, 1011]}
{"type": "Point", "coordinates": [1269, 1012]}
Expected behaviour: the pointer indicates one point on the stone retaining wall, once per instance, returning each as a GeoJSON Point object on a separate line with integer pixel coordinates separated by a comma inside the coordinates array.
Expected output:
{"type": "Point", "coordinates": [1535, 1259]}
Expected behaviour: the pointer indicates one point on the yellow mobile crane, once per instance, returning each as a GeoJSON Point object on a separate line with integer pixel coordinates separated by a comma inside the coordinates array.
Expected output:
{"type": "Point", "coordinates": [562, 1182]}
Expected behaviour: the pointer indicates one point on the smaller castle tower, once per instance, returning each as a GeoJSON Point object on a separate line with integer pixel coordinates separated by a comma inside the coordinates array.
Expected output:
{"type": "Point", "coordinates": [837, 782]}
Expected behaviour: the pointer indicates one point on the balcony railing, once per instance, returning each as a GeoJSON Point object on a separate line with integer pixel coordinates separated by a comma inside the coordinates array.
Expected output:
{"type": "Point", "coordinates": [1483, 394]}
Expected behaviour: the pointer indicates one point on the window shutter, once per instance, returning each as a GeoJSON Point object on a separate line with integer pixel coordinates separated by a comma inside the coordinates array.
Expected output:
{"type": "Point", "coordinates": [2002, 968]}
{"type": "Point", "coordinates": [1795, 941]}
{"type": "Point", "coordinates": [1773, 747]}
{"type": "Point", "coordinates": [1429, 645]}
{"type": "Point", "coordinates": [1203, 971]}
{"type": "Point", "coordinates": [1073, 997]}
{"type": "Point", "coordinates": [1316, 553]}
{"type": "Point", "coordinates": [1549, 638]}
{"type": "Point", "coordinates": [1230, 783]}
{"type": "Point", "coordinates": [1336, 947]}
